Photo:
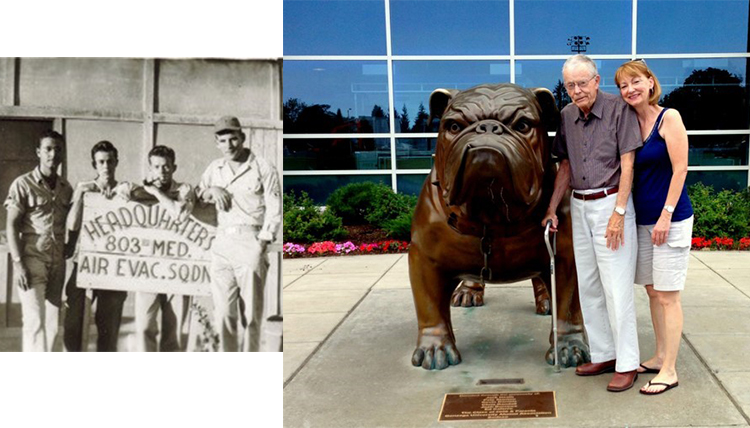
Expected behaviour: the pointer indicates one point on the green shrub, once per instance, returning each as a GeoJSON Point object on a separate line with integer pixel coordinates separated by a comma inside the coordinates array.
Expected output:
{"type": "Point", "coordinates": [400, 227]}
{"type": "Point", "coordinates": [389, 206]}
{"type": "Point", "coordinates": [723, 214]}
{"type": "Point", "coordinates": [369, 203]}
{"type": "Point", "coordinates": [305, 222]}
{"type": "Point", "coordinates": [375, 204]}
{"type": "Point", "coordinates": [354, 201]}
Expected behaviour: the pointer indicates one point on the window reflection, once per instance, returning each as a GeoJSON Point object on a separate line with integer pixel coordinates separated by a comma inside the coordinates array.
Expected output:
{"type": "Point", "coordinates": [320, 187]}
{"type": "Point", "coordinates": [410, 184]}
{"type": "Point", "coordinates": [335, 97]}
{"type": "Point", "coordinates": [708, 93]}
{"type": "Point", "coordinates": [343, 153]}
{"type": "Point", "coordinates": [324, 27]}
{"type": "Point", "coordinates": [415, 153]}
{"type": "Point", "coordinates": [668, 26]}
{"type": "Point", "coordinates": [414, 81]}
{"type": "Point", "coordinates": [351, 97]}
{"type": "Point", "coordinates": [452, 27]}
{"type": "Point", "coordinates": [715, 150]}
{"type": "Point", "coordinates": [720, 180]}
{"type": "Point", "coordinates": [544, 26]}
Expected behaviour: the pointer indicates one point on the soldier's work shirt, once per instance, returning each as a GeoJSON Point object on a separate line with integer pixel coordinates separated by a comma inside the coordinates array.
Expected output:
{"type": "Point", "coordinates": [255, 195]}
{"type": "Point", "coordinates": [43, 211]}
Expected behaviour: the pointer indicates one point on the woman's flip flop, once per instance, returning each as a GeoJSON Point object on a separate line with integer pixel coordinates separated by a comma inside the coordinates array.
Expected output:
{"type": "Point", "coordinates": [668, 387]}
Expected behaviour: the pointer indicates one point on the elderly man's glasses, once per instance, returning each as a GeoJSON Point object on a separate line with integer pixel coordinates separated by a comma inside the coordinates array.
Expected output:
{"type": "Point", "coordinates": [571, 86]}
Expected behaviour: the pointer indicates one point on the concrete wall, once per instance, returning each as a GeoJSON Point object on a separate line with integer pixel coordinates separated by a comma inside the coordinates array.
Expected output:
{"type": "Point", "coordinates": [83, 83]}
{"type": "Point", "coordinates": [81, 135]}
{"type": "Point", "coordinates": [136, 104]}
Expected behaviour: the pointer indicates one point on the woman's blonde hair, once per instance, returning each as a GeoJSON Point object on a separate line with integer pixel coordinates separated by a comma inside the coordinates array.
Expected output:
{"type": "Point", "coordinates": [639, 68]}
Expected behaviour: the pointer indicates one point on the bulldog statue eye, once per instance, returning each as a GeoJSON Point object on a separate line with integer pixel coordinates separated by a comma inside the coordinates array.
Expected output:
{"type": "Point", "coordinates": [454, 127]}
{"type": "Point", "coordinates": [522, 126]}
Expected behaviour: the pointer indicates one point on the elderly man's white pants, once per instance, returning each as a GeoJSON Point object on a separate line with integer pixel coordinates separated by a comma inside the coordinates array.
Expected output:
{"type": "Point", "coordinates": [605, 281]}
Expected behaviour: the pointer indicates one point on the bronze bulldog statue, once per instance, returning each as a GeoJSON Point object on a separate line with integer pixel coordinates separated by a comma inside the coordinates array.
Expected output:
{"type": "Point", "coordinates": [480, 210]}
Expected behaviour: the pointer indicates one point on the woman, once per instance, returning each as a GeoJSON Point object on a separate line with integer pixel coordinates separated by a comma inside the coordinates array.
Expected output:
{"type": "Point", "coordinates": [664, 217]}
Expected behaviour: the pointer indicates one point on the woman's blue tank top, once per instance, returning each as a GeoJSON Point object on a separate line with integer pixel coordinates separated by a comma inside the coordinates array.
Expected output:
{"type": "Point", "coordinates": [652, 175]}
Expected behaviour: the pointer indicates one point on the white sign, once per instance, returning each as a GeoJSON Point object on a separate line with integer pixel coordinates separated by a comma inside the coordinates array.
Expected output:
{"type": "Point", "coordinates": [139, 246]}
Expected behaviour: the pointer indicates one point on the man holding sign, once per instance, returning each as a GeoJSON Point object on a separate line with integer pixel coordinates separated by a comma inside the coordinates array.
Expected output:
{"type": "Point", "coordinates": [109, 302]}
{"type": "Point", "coordinates": [178, 199]}
{"type": "Point", "coordinates": [245, 190]}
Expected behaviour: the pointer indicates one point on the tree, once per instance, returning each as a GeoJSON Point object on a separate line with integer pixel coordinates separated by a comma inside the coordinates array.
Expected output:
{"type": "Point", "coordinates": [420, 123]}
{"type": "Point", "coordinates": [339, 118]}
{"type": "Point", "coordinates": [315, 119]}
{"type": "Point", "coordinates": [561, 95]}
{"type": "Point", "coordinates": [712, 98]}
{"type": "Point", "coordinates": [404, 121]}
{"type": "Point", "coordinates": [292, 109]}
{"type": "Point", "coordinates": [377, 111]}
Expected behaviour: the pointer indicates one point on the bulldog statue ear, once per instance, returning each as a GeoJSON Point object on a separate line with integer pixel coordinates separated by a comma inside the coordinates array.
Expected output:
{"type": "Point", "coordinates": [550, 114]}
{"type": "Point", "coordinates": [439, 100]}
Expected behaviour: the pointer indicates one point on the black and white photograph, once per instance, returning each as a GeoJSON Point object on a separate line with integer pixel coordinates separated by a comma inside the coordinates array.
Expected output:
{"type": "Point", "coordinates": [140, 172]}
{"type": "Point", "coordinates": [142, 204]}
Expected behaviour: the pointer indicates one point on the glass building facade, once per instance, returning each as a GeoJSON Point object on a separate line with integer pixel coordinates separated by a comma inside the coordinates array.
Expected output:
{"type": "Point", "coordinates": [358, 75]}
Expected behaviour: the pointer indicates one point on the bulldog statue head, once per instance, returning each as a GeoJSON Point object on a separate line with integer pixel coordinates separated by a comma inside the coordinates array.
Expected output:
{"type": "Point", "coordinates": [493, 151]}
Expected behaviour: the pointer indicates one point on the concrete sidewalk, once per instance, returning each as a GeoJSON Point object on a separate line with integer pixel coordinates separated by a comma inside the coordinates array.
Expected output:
{"type": "Point", "coordinates": [350, 329]}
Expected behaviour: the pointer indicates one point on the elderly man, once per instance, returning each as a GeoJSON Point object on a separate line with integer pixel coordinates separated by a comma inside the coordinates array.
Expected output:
{"type": "Point", "coordinates": [596, 143]}
{"type": "Point", "coordinates": [245, 190]}
{"type": "Point", "coordinates": [37, 204]}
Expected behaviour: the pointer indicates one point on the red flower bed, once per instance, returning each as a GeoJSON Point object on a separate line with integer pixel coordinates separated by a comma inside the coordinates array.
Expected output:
{"type": "Point", "coordinates": [721, 243]}
{"type": "Point", "coordinates": [329, 248]}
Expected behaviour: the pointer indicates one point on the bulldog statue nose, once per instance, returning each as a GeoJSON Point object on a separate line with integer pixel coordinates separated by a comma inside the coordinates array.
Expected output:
{"type": "Point", "coordinates": [489, 126]}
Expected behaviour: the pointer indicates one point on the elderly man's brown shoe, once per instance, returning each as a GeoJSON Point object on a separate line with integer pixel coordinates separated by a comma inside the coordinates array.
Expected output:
{"type": "Point", "coordinates": [592, 369]}
{"type": "Point", "coordinates": [622, 381]}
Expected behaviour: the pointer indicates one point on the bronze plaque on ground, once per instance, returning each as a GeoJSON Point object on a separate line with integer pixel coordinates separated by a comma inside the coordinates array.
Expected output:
{"type": "Point", "coordinates": [498, 405]}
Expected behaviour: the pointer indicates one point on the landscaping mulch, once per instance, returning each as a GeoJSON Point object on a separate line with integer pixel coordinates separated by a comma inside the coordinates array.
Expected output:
{"type": "Point", "coordinates": [365, 234]}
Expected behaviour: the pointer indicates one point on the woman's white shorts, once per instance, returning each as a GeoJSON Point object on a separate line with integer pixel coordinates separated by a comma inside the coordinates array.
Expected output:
{"type": "Point", "coordinates": [664, 266]}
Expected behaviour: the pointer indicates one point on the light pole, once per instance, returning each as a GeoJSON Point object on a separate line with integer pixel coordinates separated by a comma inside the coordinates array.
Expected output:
{"type": "Point", "coordinates": [578, 44]}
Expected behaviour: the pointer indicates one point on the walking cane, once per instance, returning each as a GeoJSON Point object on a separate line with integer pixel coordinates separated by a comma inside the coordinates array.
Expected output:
{"type": "Point", "coordinates": [552, 249]}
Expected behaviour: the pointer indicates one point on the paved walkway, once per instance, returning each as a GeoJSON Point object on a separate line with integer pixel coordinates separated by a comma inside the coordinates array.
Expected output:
{"type": "Point", "coordinates": [350, 328]}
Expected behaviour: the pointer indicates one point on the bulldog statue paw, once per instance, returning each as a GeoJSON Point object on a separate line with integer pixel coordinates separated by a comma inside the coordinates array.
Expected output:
{"type": "Point", "coordinates": [571, 350]}
{"type": "Point", "coordinates": [468, 294]}
{"type": "Point", "coordinates": [541, 297]}
{"type": "Point", "coordinates": [435, 350]}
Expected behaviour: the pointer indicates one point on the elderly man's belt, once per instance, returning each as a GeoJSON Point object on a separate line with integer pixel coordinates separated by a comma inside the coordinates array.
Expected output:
{"type": "Point", "coordinates": [597, 195]}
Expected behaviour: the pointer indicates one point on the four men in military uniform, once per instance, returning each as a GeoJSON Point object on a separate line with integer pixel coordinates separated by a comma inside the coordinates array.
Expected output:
{"type": "Point", "coordinates": [245, 191]}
